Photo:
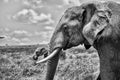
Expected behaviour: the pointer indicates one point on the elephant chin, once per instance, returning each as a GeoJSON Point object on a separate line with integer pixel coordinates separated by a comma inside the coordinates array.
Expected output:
{"type": "Point", "coordinates": [56, 51]}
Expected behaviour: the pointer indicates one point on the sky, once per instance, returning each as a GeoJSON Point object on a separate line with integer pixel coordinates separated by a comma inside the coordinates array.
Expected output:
{"type": "Point", "coordinates": [28, 22]}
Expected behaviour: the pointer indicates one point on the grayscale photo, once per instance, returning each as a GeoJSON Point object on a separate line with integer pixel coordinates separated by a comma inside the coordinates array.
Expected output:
{"type": "Point", "coordinates": [59, 39]}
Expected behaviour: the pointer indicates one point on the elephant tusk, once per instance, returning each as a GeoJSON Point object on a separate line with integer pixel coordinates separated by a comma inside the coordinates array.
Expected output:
{"type": "Point", "coordinates": [50, 56]}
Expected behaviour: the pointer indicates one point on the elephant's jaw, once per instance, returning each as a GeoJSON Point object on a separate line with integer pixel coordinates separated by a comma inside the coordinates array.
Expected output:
{"type": "Point", "coordinates": [56, 51]}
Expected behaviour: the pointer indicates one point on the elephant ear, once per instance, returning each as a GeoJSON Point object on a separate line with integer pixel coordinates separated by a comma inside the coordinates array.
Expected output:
{"type": "Point", "coordinates": [89, 10]}
{"type": "Point", "coordinates": [99, 22]}
{"type": "Point", "coordinates": [87, 15]}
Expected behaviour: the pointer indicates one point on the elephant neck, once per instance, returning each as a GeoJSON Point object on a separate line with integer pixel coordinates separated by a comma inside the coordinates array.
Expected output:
{"type": "Point", "coordinates": [109, 43]}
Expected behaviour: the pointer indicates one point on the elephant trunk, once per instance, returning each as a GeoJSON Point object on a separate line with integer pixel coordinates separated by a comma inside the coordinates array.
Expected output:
{"type": "Point", "coordinates": [51, 67]}
{"type": "Point", "coordinates": [56, 45]}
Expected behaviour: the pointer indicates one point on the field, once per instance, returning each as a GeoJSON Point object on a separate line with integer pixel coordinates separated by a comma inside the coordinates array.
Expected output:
{"type": "Point", "coordinates": [74, 64]}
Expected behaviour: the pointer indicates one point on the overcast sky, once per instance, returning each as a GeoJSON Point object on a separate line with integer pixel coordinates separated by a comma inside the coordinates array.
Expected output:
{"type": "Point", "coordinates": [24, 22]}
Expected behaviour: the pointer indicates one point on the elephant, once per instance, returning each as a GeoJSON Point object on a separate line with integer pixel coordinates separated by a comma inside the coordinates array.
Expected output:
{"type": "Point", "coordinates": [94, 24]}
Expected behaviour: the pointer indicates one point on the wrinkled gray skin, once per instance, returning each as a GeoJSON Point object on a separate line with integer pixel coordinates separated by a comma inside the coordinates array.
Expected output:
{"type": "Point", "coordinates": [91, 24]}
{"type": "Point", "coordinates": [107, 42]}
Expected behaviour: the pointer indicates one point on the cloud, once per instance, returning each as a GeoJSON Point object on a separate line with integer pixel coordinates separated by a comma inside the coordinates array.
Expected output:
{"type": "Point", "coordinates": [22, 37]}
{"type": "Point", "coordinates": [72, 2]}
{"type": "Point", "coordinates": [25, 43]}
{"type": "Point", "coordinates": [7, 29]}
{"type": "Point", "coordinates": [31, 16]}
{"type": "Point", "coordinates": [60, 6]}
{"type": "Point", "coordinates": [33, 3]}
{"type": "Point", "coordinates": [23, 12]}
{"type": "Point", "coordinates": [22, 16]}
{"type": "Point", "coordinates": [6, 36]}
{"type": "Point", "coordinates": [22, 43]}
{"type": "Point", "coordinates": [20, 32]}
{"type": "Point", "coordinates": [6, 1]}
{"type": "Point", "coordinates": [35, 18]}
{"type": "Point", "coordinates": [49, 28]}
{"type": "Point", "coordinates": [15, 39]}
{"type": "Point", "coordinates": [37, 33]}
{"type": "Point", "coordinates": [44, 42]}
{"type": "Point", "coordinates": [44, 34]}
{"type": "Point", "coordinates": [25, 39]}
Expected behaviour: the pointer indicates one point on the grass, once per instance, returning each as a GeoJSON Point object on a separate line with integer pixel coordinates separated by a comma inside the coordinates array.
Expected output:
{"type": "Point", "coordinates": [74, 64]}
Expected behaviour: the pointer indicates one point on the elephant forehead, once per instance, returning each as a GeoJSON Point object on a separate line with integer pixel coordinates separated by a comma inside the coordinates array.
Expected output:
{"type": "Point", "coordinates": [73, 23]}
{"type": "Point", "coordinates": [74, 10]}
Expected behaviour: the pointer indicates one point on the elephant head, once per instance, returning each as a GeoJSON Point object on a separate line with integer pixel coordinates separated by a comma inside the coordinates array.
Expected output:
{"type": "Point", "coordinates": [72, 30]}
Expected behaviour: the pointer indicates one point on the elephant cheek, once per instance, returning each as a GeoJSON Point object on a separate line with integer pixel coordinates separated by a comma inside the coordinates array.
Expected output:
{"type": "Point", "coordinates": [57, 41]}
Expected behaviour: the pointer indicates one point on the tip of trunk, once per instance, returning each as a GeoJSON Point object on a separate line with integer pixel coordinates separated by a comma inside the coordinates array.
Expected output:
{"type": "Point", "coordinates": [50, 56]}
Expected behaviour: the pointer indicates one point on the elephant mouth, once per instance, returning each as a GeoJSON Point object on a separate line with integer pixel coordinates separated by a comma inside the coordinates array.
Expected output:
{"type": "Point", "coordinates": [56, 51]}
